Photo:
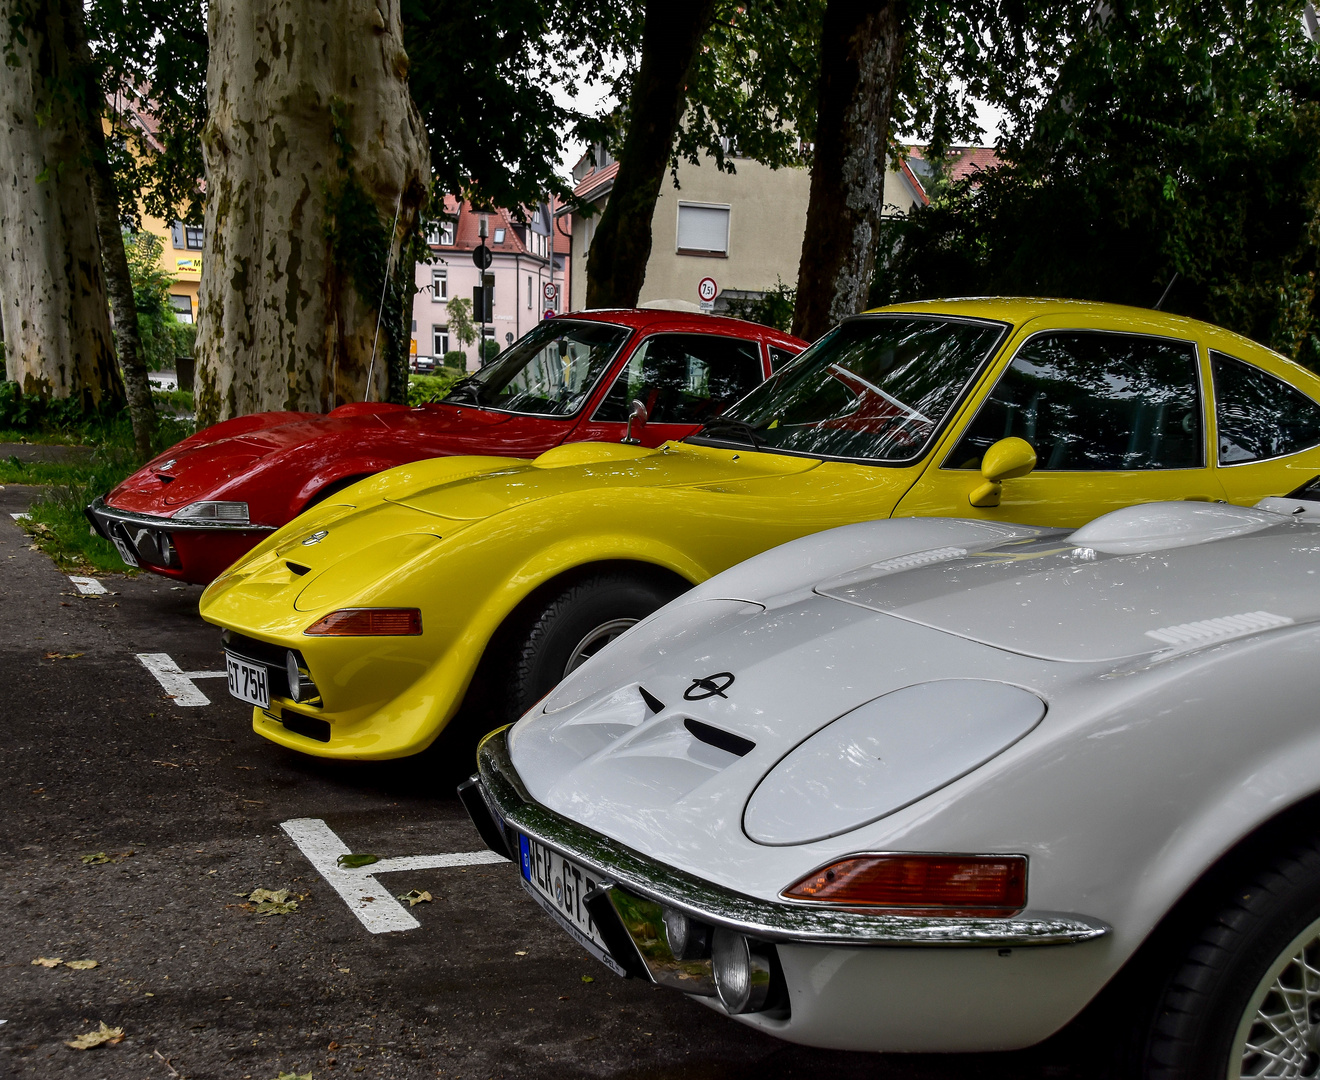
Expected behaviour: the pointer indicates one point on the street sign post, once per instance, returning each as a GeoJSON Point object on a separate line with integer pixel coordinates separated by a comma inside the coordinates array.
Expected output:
{"type": "Point", "coordinates": [548, 290]}
{"type": "Point", "coordinates": [549, 313]}
{"type": "Point", "coordinates": [707, 290]}
{"type": "Point", "coordinates": [482, 257]}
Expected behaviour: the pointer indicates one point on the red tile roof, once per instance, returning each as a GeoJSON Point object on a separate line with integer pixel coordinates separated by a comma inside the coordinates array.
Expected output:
{"type": "Point", "coordinates": [595, 179]}
{"type": "Point", "coordinates": [967, 161]}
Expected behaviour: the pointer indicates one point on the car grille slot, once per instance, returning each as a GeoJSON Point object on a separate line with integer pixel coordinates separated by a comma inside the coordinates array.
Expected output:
{"type": "Point", "coordinates": [721, 740]}
{"type": "Point", "coordinates": [298, 568]}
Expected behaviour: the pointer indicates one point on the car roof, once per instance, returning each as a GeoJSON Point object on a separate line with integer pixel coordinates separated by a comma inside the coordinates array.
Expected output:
{"type": "Point", "coordinates": [686, 321]}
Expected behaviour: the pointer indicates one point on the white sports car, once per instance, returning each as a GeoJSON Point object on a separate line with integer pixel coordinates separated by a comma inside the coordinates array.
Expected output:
{"type": "Point", "coordinates": [930, 785]}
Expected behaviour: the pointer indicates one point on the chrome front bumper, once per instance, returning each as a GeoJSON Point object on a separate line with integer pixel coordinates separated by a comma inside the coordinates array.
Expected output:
{"type": "Point", "coordinates": [147, 536]}
{"type": "Point", "coordinates": [510, 807]}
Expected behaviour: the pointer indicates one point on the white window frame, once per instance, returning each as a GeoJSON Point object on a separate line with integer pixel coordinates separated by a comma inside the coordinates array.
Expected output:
{"type": "Point", "coordinates": [439, 286]}
{"type": "Point", "coordinates": [446, 234]}
{"type": "Point", "coordinates": [441, 332]}
{"type": "Point", "coordinates": [702, 252]}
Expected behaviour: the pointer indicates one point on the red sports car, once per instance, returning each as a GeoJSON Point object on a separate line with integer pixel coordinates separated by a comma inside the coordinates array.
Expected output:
{"type": "Point", "coordinates": [197, 507]}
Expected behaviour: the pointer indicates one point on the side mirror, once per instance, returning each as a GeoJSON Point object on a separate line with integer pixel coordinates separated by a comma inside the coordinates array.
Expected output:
{"type": "Point", "coordinates": [1005, 460]}
{"type": "Point", "coordinates": [637, 415]}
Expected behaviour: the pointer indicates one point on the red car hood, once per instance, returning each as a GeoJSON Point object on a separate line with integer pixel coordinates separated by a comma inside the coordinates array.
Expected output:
{"type": "Point", "coordinates": [270, 465]}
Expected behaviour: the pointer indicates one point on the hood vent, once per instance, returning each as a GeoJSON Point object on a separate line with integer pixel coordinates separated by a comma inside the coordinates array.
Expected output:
{"type": "Point", "coordinates": [298, 568]}
{"type": "Point", "coordinates": [652, 702]}
{"type": "Point", "coordinates": [721, 740]}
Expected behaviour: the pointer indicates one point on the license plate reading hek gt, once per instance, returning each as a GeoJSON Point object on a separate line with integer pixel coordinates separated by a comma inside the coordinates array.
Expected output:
{"type": "Point", "coordinates": [247, 682]}
{"type": "Point", "coordinates": [559, 885]}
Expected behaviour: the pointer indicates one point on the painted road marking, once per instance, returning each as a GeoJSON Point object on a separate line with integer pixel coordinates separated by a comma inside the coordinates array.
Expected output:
{"type": "Point", "coordinates": [178, 684]}
{"type": "Point", "coordinates": [20, 517]}
{"type": "Point", "coordinates": [88, 586]}
{"type": "Point", "coordinates": [366, 897]}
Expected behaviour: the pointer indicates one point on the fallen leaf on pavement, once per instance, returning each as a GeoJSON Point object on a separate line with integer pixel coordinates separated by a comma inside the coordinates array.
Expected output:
{"type": "Point", "coordinates": [95, 860]}
{"type": "Point", "coordinates": [82, 965]}
{"type": "Point", "coordinates": [62, 656]}
{"type": "Point", "coordinates": [47, 961]}
{"type": "Point", "coordinates": [414, 898]}
{"type": "Point", "coordinates": [273, 901]}
{"type": "Point", "coordinates": [353, 861]}
{"type": "Point", "coordinates": [294, 1076]}
{"type": "Point", "coordinates": [104, 1035]}
{"type": "Point", "coordinates": [587, 978]}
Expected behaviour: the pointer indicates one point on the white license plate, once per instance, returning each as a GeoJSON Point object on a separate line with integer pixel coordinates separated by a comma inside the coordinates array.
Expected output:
{"type": "Point", "coordinates": [247, 682]}
{"type": "Point", "coordinates": [125, 552]}
{"type": "Point", "coordinates": [561, 885]}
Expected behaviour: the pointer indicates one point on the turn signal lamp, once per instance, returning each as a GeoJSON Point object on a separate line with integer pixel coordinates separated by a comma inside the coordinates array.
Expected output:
{"type": "Point", "coordinates": [987, 885]}
{"type": "Point", "coordinates": [230, 513]}
{"type": "Point", "coordinates": [368, 622]}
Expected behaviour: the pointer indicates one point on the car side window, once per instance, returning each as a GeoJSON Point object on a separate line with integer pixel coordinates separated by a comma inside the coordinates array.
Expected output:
{"type": "Point", "coordinates": [1091, 401]}
{"type": "Point", "coordinates": [683, 378]}
{"type": "Point", "coordinates": [1258, 415]}
{"type": "Point", "coordinates": [780, 358]}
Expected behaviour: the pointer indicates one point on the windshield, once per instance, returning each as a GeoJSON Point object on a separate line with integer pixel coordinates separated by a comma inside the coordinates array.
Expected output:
{"type": "Point", "coordinates": [875, 388]}
{"type": "Point", "coordinates": [549, 371]}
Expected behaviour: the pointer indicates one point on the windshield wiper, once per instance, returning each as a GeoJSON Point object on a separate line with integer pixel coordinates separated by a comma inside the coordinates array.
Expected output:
{"type": "Point", "coordinates": [728, 425]}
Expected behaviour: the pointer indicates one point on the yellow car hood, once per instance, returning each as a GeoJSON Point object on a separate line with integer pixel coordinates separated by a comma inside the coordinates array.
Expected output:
{"type": "Point", "coordinates": [426, 485]}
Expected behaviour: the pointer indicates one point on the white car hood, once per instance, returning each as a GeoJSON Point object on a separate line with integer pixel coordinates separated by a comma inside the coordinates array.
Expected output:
{"type": "Point", "coordinates": [816, 629]}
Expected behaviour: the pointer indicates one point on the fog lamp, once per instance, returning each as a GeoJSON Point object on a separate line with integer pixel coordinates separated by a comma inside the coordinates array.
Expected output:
{"type": "Point", "coordinates": [295, 676]}
{"type": "Point", "coordinates": [688, 939]}
{"type": "Point", "coordinates": [742, 972]}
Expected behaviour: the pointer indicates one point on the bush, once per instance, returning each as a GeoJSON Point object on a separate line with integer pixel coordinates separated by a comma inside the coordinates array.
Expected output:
{"type": "Point", "coordinates": [427, 388]}
{"type": "Point", "coordinates": [773, 308]}
{"type": "Point", "coordinates": [456, 359]}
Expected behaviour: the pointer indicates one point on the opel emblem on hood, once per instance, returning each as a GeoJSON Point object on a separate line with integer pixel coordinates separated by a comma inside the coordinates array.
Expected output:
{"type": "Point", "coordinates": [709, 686]}
{"type": "Point", "coordinates": [316, 537]}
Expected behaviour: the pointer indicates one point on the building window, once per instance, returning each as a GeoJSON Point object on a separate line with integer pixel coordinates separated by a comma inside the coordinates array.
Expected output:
{"type": "Point", "coordinates": [439, 284]}
{"type": "Point", "coordinates": [441, 232]}
{"type": "Point", "coordinates": [529, 292]}
{"type": "Point", "coordinates": [499, 236]}
{"type": "Point", "coordinates": [182, 306]}
{"type": "Point", "coordinates": [703, 229]}
{"type": "Point", "coordinates": [194, 237]}
{"type": "Point", "coordinates": [439, 340]}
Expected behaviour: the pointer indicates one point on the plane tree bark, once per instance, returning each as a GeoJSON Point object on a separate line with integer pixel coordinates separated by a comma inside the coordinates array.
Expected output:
{"type": "Point", "coordinates": [58, 341]}
{"type": "Point", "coordinates": [861, 52]}
{"type": "Point", "coordinates": [313, 149]}
{"type": "Point", "coordinates": [616, 263]}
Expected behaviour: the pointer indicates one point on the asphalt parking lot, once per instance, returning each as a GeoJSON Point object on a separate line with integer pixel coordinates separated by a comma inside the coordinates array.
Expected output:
{"type": "Point", "coordinates": [134, 829]}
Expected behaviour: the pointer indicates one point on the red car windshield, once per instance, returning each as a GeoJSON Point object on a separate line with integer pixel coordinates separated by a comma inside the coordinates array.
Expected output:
{"type": "Point", "coordinates": [876, 388]}
{"type": "Point", "coordinates": [549, 371]}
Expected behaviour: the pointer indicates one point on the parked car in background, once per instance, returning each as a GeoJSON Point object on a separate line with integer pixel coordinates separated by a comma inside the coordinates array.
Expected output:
{"type": "Point", "coordinates": [196, 508]}
{"type": "Point", "coordinates": [365, 624]}
{"type": "Point", "coordinates": [907, 772]}
{"type": "Point", "coordinates": [423, 365]}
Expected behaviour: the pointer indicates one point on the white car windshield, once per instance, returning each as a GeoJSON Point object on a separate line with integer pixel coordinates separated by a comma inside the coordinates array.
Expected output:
{"type": "Point", "coordinates": [876, 388]}
{"type": "Point", "coordinates": [549, 371]}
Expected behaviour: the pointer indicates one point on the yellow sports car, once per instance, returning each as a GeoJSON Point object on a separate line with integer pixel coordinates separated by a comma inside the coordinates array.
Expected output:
{"type": "Point", "coordinates": [357, 629]}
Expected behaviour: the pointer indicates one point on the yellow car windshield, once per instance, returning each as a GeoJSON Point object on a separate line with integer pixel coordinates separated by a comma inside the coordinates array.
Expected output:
{"type": "Point", "coordinates": [876, 388]}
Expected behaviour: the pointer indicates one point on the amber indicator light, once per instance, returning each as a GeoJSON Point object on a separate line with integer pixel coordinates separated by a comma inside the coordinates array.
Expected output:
{"type": "Point", "coordinates": [993, 885]}
{"type": "Point", "coordinates": [368, 622]}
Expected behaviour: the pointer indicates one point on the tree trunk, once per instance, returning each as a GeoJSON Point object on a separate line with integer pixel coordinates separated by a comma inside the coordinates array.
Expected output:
{"type": "Point", "coordinates": [861, 47]}
{"type": "Point", "coordinates": [616, 262]}
{"type": "Point", "coordinates": [58, 341]}
{"type": "Point", "coordinates": [312, 149]}
{"type": "Point", "coordinates": [114, 262]}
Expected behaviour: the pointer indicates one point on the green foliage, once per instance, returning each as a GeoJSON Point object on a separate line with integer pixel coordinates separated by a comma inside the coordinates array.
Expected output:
{"type": "Point", "coordinates": [163, 336]}
{"type": "Point", "coordinates": [490, 349]}
{"type": "Point", "coordinates": [460, 321]}
{"type": "Point", "coordinates": [424, 388]}
{"type": "Point", "coordinates": [773, 308]}
{"type": "Point", "coordinates": [1173, 139]}
{"type": "Point", "coordinates": [456, 359]}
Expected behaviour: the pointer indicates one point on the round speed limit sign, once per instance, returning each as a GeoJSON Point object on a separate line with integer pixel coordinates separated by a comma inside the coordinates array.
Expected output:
{"type": "Point", "coordinates": [707, 289]}
{"type": "Point", "coordinates": [548, 290]}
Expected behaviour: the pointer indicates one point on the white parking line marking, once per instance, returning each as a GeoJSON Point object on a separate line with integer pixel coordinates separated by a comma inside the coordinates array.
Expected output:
{"type": "Point", "coordinates": [88, 586]}
{"type": "Point", "coordinates": [20, 517]}
{"type": "Point", "coordinates": [178, 684]}
{"type": "Point", "coordinates": [366, 897]}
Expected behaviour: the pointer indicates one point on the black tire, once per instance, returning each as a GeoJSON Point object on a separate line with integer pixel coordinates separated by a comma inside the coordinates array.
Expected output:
{"type": "Point", "coordinates": [546, 640]}
{"type": "Point", "coordinates": [1194, 1034]}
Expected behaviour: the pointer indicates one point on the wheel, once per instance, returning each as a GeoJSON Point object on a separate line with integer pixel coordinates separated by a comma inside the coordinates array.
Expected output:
{"type": "Point", "coordinates": [1245, 999]}
{"type": "Point", "coordinates": [570, 626]}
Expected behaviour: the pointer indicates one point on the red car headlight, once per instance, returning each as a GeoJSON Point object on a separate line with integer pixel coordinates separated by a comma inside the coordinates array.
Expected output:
{"type": "Point", "coordinates": [990, 885]}
{"type": "Point", "coordinates": [368, 622]}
